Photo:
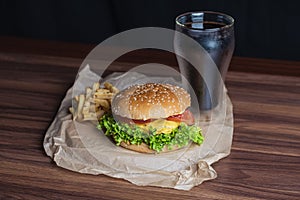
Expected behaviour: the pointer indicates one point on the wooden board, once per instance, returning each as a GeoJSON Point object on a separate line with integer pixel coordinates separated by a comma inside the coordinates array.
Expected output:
{"type": "Point", "coordinates": [265, 158]}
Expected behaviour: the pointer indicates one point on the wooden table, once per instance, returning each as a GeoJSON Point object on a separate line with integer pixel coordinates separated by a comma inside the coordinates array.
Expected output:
{"type": "Point", "coordinates": [265, 158]}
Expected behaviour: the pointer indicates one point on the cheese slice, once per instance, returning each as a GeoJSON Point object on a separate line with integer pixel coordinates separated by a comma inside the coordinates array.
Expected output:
{"type": "Point", "coordinates": [161, 125]}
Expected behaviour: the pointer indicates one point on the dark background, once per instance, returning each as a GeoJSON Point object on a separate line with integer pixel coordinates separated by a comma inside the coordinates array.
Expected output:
{"type": "Point", "coordinates": [263, 28]}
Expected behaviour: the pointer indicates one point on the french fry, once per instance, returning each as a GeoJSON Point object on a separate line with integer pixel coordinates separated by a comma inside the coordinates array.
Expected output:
{"type": "Point", "coordinates": [96, 86]}
{"type": "Point", "coordinates": [103, 96]}
{"type": "Point", "coordinates": [89, 115]}
{"type": "Point", "coordinates": [72, 111]}
{"type": "Point", "coordinates": [111, 87]}
{"type": "Point", "coordinates": [88, 93]}
{"type": "Point", "coordinates": [85, 110]}
{"type": "Point", "coordinates": [102, 91]}
{"type": "Point", "coordinates": [92, 105]}
{"type": "Point", "coordinates": [80, 106]}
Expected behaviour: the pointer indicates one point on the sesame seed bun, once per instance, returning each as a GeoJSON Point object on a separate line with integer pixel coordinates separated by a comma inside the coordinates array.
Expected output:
{"type": "Point", "coordinates": [151, 101]}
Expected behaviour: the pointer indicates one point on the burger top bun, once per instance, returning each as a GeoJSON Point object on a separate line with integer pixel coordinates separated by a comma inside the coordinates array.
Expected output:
{"type": "Point", "coordinates": [151, 101]}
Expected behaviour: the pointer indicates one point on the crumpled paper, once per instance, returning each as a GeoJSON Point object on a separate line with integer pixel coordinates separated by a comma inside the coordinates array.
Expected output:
{"type": "Point", "coordinates": [80, 147]}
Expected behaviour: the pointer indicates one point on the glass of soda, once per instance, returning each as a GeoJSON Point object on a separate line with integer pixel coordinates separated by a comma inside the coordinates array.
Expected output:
{"type": "Point", "coordinates": [214, 32]}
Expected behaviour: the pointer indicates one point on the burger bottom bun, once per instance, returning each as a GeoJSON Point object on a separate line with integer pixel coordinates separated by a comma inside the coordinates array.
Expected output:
{"type": "Point", "coordinates": [144, 148]}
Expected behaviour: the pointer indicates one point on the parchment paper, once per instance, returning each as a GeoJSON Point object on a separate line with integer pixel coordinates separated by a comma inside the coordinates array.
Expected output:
{"type": "Point", "coordinates": [80, 147]}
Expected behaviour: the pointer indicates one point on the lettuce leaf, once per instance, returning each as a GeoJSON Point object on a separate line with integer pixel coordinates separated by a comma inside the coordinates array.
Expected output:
{"type": "Point", "coordinates": [122, 132]}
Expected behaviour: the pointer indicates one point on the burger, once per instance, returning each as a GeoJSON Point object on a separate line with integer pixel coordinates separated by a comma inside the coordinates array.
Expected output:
{"type": "Point", "coordinates": [151, 118]}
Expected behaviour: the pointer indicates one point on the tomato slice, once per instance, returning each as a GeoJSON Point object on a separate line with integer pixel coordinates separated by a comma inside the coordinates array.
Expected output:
{"type": "Point", "coordinates": [186, 117]}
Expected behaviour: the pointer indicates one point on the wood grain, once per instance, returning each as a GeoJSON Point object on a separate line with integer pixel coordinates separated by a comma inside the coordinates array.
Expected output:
{"type": "Point", "coordinates": [265, 158]}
